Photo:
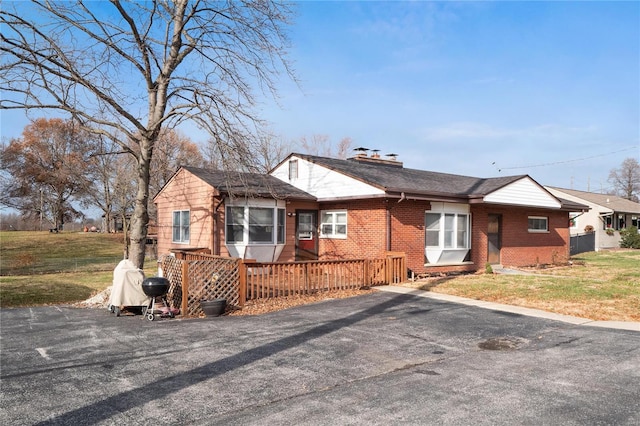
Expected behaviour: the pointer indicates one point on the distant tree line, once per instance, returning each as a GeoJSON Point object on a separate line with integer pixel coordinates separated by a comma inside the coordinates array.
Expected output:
{"type": "Point", "coordinates": [56, 168]}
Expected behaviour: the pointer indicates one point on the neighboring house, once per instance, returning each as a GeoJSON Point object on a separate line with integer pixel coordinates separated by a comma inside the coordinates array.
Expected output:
{"type": "Point", "coordinates": [364, 207]}
{"type": "Point", "coordinates": [608, 214]}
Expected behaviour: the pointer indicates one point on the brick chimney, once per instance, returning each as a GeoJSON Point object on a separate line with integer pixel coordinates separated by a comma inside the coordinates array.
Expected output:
{"type": "Point", "coordinates": [363, 157]}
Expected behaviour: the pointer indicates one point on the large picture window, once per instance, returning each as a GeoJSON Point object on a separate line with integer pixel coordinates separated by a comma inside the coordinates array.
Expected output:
{"type": "Point", "coordinates": [333, 224]}
{"type": "Point", "coordinates": [447, 230]}
{"type": "Point", "coordinates": [538, 224]}
{"type": "Point", "coordinates": [255, 225]}
{"type": "Point", "coordinates": [181, 224]}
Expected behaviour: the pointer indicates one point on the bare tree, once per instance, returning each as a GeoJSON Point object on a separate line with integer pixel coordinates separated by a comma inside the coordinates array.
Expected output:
{"type": "Point", "coordinates": [272, 150]}
{"type": "Point", "coordinates": [102, 173]}
{"type": "Point", "coordinates": [626, 179]}
{"type": "Point", "coordinates": [135, 68]}
{"type": "Point", "coordinates": [322, 145]}
{"type": "Point", "coordinates": [173, 149]}
{"type": "Point", "coordinates": [123, 194]}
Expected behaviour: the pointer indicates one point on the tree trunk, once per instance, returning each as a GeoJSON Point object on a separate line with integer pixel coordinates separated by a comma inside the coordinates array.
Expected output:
{"type": "Point", "coordinates": [140, 218]}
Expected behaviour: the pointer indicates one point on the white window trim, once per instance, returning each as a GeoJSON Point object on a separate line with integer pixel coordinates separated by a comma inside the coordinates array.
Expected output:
{"type": "Point", "coordinates": [180, 227]}
{"type": "Point", "coordinates": [245, 225]}
{"type": "Point", "coordinates": [441, 231]}
{"type": "Point", "coordinates": [538, 231]}
{"type": "Point", "coordinates": [333, 234]}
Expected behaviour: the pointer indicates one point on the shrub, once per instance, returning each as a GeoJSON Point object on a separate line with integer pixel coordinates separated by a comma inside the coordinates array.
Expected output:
{"type": "Point", "coordinates": [630, 238]}
{"type": "Point", "coordinates": [488, 269]}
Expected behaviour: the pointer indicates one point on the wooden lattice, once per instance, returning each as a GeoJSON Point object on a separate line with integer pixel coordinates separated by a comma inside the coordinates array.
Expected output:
{"type": "Point", "coordinates": [172, 270]}
{"type": "Point", "coordinates": [213, 279]}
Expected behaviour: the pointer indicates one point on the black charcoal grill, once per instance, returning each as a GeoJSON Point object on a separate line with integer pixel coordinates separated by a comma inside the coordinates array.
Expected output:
{"type": "Point", "coordinates": [157, 287]}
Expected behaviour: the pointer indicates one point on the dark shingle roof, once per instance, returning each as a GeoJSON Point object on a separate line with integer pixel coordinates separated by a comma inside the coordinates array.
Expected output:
{"type": "Point", "coordinates": [239, 184]}
{"type": "Point", "coordinates": [612, 202]}
{"type": "Point", "coordinates": [420, 182]}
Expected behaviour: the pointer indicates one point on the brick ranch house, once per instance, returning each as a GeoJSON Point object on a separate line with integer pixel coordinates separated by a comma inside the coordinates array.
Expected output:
{"type": "Point", "coordinates": [310, 207]}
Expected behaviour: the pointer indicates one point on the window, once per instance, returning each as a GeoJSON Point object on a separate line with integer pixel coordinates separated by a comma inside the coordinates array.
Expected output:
{"type": "Point", "coordinates": [538, 224]}
{"type": "Point", "coordinates": [255, 225]}
{"type": "Point", "coordinates": [334, 224]}
{"type": "Point", "coordinates": [447, 230]}
{"type": "Point", "coordinates": [462, 231]}
{"type": "Point", "coordinates": [433, 229]}
{"type": "Point", "coordinates": [260, 225]}
{"type": "Point", "coordinates": [235, 224]}
{"type": "Point", "coordinates": [293, 169]}
{"type": "Point", "coordinates": [281, 221]}
{"type": "Point", "coordinates": [573, 222]}
{"type": "Point", "coordinates": [181, 226]}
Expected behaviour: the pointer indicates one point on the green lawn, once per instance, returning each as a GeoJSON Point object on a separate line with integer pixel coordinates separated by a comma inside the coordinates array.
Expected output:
{"type": "Point", "coordinates": [39, 268]}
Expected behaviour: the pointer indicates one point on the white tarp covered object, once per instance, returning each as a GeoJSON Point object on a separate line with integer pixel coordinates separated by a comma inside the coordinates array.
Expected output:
{"type": "Point", "coordinates": [127, 286]}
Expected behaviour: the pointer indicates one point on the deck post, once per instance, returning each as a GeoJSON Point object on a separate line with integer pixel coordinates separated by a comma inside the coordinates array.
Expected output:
{"type": "Point", "coordinates": [365, 273]}
{"type": "Point", "coordinates": [242, 283]}
{"type": "Point", "coordinates": [184, 309]}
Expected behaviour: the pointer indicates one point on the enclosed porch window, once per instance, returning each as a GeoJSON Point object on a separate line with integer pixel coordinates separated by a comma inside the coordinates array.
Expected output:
{"type": "Point", "coordinates": [447, 231]}
{"type": "Point", "coordinates": [256, 229]}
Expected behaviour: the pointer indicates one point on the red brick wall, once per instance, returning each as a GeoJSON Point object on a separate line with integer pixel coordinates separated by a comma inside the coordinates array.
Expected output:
{"type": "Point", "coordinates": [367, 228]}
{"type": "Point", "coordinates": [407, 231]}
{"type": "Point", "coordinates": [519, 246]}
{"type": "Point", "coordinates": [366, 235]}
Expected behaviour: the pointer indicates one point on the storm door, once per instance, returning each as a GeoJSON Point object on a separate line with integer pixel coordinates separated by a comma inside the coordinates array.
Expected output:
{"type": "Point", "coordinates": [306, 235]}
{"type": "Point", "coordinates": [494, 239]}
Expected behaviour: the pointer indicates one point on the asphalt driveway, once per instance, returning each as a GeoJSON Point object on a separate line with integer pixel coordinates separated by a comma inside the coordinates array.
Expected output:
{"type": "Point", "coordinates": [382, 358]}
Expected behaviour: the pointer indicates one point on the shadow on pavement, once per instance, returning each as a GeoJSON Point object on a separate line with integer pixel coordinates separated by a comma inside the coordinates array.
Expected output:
{"type": "Point", "coordinates": [103, 410]}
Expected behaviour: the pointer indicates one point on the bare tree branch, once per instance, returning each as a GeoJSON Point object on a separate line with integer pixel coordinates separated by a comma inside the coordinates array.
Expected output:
{"type": "Point", "coordinates": [135, 68]}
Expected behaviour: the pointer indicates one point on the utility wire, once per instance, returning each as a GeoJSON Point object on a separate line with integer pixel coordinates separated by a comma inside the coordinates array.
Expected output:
{"type": "Point", "coordinates": [566, 161]}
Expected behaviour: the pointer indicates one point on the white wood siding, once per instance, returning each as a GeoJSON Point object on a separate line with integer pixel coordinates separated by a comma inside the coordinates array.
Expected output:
{"type": "Point", "coordinates": [524, 192]}
{"type": "Point", "coordinates": [323, 183]}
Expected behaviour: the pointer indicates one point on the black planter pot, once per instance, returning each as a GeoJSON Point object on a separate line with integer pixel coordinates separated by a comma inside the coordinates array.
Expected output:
{"type": "Point", "coordinates": [213, 308]}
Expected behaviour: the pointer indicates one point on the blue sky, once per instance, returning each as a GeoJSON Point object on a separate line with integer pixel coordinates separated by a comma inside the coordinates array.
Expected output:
{"type": "Point", "coordinates": [475, 88]}
{"type": "Point", "coordinates": [549, 89]}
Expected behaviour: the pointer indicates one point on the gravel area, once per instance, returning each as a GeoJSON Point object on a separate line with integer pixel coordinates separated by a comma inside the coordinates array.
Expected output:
{"type": "Point", "coordinates": [262, 306]}
{"type": "Point", "coordinates": [252, 307]}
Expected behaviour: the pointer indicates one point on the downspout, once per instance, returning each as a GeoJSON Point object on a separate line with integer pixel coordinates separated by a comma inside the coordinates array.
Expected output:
{"type": "Point", "coordinates": [216, 237]}
{"type": "Point", "coordinates": [388, 225]}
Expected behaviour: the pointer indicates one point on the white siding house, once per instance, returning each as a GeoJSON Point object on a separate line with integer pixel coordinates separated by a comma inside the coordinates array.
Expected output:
{"type": "Point", "coordinates": [608, 214]}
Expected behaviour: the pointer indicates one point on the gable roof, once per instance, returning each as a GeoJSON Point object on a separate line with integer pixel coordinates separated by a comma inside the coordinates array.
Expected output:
{"type": "Point", "coordinates": [611, 202]}
{"type": "Point", "coordinates": [241, 184]}
{"type": "Point", "coordinates": [393, 179]}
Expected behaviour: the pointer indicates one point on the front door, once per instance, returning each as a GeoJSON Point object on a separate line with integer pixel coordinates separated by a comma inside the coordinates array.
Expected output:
{"type": "Point", "coordinates": [306, 235]}
{"type": "Point", "coordinates": [494, 237]}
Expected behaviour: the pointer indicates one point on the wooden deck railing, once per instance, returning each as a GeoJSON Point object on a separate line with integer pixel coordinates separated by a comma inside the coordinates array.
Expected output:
{"type": "Point", "coordinates": [197, 276]}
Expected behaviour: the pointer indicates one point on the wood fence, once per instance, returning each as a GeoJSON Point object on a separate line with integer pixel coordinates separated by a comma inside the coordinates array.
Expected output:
{"type": "Point", "coordinates": [196, 276]}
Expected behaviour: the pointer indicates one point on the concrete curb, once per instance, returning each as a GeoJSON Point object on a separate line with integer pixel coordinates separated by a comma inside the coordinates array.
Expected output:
{"type": "Point", "coordinates": [620, 325]}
